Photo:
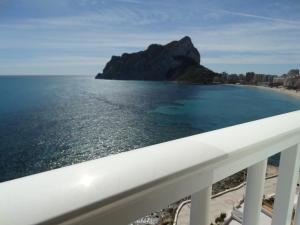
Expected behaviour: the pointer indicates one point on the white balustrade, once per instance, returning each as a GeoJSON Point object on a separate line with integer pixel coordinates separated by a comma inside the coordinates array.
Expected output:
{"type": "Point", "coordinates": [118, 189]}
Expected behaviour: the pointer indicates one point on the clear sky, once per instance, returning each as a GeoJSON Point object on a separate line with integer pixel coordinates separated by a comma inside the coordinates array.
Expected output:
{"type": "Point", "coordinates": [79, 36]}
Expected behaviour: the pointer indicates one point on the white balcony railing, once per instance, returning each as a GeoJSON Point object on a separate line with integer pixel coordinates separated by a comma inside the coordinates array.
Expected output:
{"type": "Point", "coordinates": [118, 189]}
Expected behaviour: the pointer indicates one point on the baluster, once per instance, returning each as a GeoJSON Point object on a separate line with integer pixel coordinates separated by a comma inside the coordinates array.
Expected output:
{"type": "Point", "coordinates": [200, 207]}
{"type": "Point", "coordinates": [286, 186]}
{"type": "Point", "coordinates": [254, 193]}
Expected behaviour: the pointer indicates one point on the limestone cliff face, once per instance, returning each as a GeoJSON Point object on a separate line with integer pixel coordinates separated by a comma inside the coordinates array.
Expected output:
{"type": "Point", "coordinates": [177, 60]}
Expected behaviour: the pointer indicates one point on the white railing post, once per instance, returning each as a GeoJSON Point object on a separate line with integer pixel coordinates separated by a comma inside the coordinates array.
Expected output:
{"type": "Point", "coordinates": [200, 207]}
{"type": "Point", "coordinates": [254, 193]}
{"type": "Point", "coordinates": [286, 186]}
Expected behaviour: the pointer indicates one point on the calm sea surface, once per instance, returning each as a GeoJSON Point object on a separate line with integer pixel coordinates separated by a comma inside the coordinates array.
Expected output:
{"type": "Point", "coordinates": [50, 122]}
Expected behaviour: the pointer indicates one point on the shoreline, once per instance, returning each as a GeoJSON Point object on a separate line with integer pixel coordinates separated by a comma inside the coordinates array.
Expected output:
{"type": "Point", "coordinates": [282, 90]}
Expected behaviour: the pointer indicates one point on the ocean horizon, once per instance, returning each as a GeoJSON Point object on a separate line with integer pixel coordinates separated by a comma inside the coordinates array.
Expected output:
{"type": "Point", "coordinates": [48, 122]}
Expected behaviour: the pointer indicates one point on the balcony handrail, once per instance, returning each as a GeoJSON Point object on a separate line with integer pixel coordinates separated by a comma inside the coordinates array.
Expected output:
{"type": "Point", "coordinates": [121, 188]}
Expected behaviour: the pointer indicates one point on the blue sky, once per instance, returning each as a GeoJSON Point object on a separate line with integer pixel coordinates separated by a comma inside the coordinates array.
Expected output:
{"type": "Point", "coordinates": [79, 36]}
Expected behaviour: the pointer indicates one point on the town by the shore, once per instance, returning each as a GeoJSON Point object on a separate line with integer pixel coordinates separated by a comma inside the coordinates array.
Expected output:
{"type": "Point", "coordinates": [288, 83]}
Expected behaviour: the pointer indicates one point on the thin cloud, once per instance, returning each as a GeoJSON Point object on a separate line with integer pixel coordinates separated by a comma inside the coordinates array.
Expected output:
{"type": "Point", "coordinates": [257, 16]}
{"type": "Point", "coordinates": [129, 1]}
{"type": "Point", "coordinates": [256, 59]}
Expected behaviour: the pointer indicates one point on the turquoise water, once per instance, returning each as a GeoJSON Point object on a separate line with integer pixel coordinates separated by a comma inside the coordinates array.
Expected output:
{"type": "Point", "coordinates": [50, 122]}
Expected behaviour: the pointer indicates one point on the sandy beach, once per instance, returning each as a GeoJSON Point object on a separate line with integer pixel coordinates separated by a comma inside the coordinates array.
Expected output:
{"type": "Point", "coordinates": [292, 93]}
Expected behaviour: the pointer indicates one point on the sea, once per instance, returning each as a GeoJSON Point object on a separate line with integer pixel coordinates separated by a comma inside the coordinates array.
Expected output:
{"type": "Point", "coordinates": [47, 122]}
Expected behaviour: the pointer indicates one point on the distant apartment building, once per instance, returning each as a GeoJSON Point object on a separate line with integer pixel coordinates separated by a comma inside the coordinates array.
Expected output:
{"type": "Point", "coordinates": [292, 79]}
{"type": "Point", "coordinates": [233, 78]}
{"type": "Point", "coordinates": [278, 81]}
{"type": "Point", "coordinates": [293, 73]}
{"type": "Point", "coordinates": [259, 78]}
{"type": "Point", "coordinates": [249, 77]}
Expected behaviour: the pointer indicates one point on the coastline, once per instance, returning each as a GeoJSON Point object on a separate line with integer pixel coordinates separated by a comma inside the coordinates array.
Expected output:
{"type": "Point", "coordinates": [282, 90]}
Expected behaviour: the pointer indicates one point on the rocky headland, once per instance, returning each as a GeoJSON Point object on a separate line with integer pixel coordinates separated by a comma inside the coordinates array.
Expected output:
{"type": "Point", "coordinates": [176, 61]}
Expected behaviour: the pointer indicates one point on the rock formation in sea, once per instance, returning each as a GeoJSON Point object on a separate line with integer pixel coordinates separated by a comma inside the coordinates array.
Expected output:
{"type": "Point", "coordinates": [175, 61]}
